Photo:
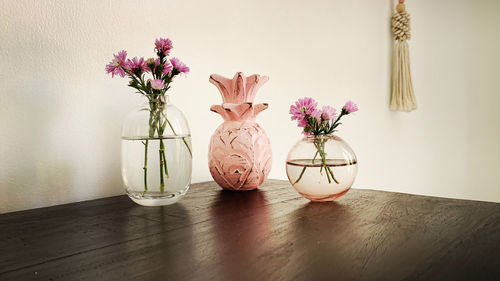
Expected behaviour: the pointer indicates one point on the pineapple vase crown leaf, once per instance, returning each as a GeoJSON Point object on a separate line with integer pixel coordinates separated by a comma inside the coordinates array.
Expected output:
{"type": "Point", "coordinates": [238, 95]}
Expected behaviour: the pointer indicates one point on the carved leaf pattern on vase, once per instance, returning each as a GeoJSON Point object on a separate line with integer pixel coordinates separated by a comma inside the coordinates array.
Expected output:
{"type": "Point", "coordinates": [240, 155]}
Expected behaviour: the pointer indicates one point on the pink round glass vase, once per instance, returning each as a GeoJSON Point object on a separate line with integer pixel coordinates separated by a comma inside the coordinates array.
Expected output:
{"type": "Point", "coordinates": [321, 168]}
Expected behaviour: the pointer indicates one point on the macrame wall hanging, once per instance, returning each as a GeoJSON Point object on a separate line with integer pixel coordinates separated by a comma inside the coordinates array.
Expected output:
{"type": "Point", "coordinates": [402, 96]}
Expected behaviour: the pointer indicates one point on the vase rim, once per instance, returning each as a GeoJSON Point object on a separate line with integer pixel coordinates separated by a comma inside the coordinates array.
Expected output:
{"type": "Point", "coordinates": [322, 136]}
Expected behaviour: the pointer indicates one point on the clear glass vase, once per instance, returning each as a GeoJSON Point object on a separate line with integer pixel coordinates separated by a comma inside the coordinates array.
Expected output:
{"type": "Point", "coordinates": [321, 168]}
{"type": "Point", "coordinates": [156, 153]}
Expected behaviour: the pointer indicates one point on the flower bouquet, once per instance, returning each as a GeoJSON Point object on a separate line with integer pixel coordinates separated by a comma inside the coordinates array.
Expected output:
{"type": "Point", "coordinates": [326, 155]}
{"type": "Point", "coordinates": [152, 79]}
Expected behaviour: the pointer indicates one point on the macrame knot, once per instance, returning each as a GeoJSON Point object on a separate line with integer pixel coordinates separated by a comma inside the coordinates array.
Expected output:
{"type": "Point", "coordinates": [402, 95]}
{"type": "Point", "coordinates": [401, 26]}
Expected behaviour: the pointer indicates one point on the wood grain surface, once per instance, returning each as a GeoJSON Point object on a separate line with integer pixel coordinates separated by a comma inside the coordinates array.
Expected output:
{"type": "Point", "coordinates": [270, 234]}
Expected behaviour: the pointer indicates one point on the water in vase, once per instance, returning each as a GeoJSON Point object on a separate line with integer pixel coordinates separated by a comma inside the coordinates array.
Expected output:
{"type": "Point", "coordinates": [309, 177]}
{"type": "Point", "coordinates": [142, 159]}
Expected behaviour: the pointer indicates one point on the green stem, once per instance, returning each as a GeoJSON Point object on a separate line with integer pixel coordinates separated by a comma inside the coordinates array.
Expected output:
{"type": "Point", "coordinates": [187, 145]}
{"type": "Point", "coordinates": [146, 165]}
{"type": "Point", "coordinates": [304, 169]}
{"type": "Point", "coordinates": [152, 120]}
{"type": "Point", "coordinates": [146, 144]}
{"type": "Point", "coordinates": [321, 168]}
{"type": "Point", "coordinates": [162, 149]}
{"type": "Point", "coordinates": [300, 176]}
{"type": "Point", "coordinates": [161, 129]}
{"type": "Point", "coordinates": [320, 147]}
{"type": "Point", "coordinates": [327, 168]}
{"type": "Point", "coordinates": [328, 176]}
{"type": "Point", "coordinates": [338, 119]}
{"type": "Point", "coordinates": [323, 160]}
{"type": "Point", "coordinates": [183, 138]}
{"type": "Point", "coordinates": [333, 177]}
{"type": "Point", "coordinates": [162, 183]}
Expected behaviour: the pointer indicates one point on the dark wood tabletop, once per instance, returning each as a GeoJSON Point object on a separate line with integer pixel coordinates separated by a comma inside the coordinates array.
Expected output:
{"type": "Point", "coordinates": [269, 234]}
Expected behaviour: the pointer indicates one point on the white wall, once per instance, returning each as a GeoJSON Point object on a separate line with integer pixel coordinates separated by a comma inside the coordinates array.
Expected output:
{"type": "Point", "coordinates": [60, 115]}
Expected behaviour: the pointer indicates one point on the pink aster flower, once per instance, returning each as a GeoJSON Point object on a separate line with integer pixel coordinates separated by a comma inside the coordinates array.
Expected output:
{"type": "Point", "coordinates": [301, 108]}
{"type": "Point", "coordinates": [151, 63]}
{"type": "Point", "coordinates": [115, 67]}
{"type": "Point", "coordinates": [316, 114]}
{"type": "Point", "coordinates": [179, 65]}
{"type": "Point", "coordinates": [167, 67]}
{"type": "Point", "coordinates": [157, 84]}
{"type": "Point", "coordinates": [137, 65]}
{"type": "Point", "coordinates": [163, 46]}
{"type": "Point", "coordinates": [328, 112]}
{"type": "Point", "coordinates": [350, 107]}
{"type": "Point", "coordinates": [302, 122]}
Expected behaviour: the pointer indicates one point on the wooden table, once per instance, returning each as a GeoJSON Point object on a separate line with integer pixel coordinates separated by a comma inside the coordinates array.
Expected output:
{"type": "Point", "coordinates": [271, 234]}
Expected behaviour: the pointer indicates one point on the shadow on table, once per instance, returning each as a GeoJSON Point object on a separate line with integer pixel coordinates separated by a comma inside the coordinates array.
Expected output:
{"type": "Point", "coordinates": [322, 235]}
{"type": "Point", "coordinates": [166, 245]}
{"type": "Point", "coordinates": [242, 227]}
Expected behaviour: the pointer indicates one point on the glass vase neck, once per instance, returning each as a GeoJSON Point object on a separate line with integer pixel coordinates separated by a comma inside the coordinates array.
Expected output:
{"type": "Point", "coordinates": [157, 100]}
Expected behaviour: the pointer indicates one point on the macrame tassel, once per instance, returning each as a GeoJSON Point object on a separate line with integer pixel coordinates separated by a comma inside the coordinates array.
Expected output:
{"type": "Point", "coordinates": [402, 96]}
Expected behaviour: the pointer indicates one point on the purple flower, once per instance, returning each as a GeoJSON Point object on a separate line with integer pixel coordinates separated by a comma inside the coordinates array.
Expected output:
{"type": "Point", "coordinates": [137, 65]}
{"type": "Point", "coordinates": [316, 114]}
{"type": "Point", "coordinates": [115, 67]}
{"type": "Point", "coordinates": [302, 122]}
{"type": "Point", "coordinates": [163, 46]}
{"type": "Point", "coordinates": [301, 108]}
{"type": "Point", "coordinates": [151, 64]}
{"type": "Point", "coordinates": [350, 107]}
{"type": "Point", "coordinates": [157, 84]}
{"type": "Point", "coordinates": [179, 65]}
{"type": "Point", "coordinates": [167, 67]}
{"type": "Point", "coordinates": [328, 112]}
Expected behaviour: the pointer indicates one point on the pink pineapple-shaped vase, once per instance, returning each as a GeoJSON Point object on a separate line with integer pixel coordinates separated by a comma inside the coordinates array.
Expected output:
{"type": "Point", "coordinates": [239, 155]}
